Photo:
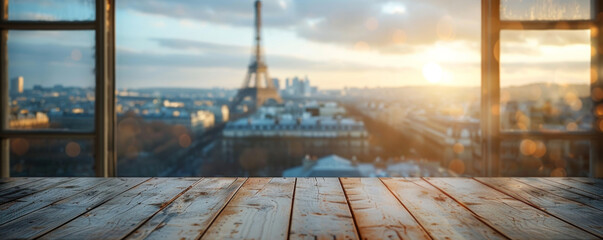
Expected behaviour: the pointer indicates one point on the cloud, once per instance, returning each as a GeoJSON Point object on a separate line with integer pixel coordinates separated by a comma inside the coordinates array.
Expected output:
{"type": "Point", "coordinates": [132, 58]}
{"type": "Point", "coordinates": [550, 67]}
{"type": "Point", "coordinates": [552, 72]}
{"type": "Point", "coordinates": [185, 44]}
{"type": "Point", "coordinates": [49, 10]}
{"type": "Point", "coordinates": [550, 37]}
{"type": "Point", "coordinates": [342, 22]}
{"type": "Point", "coordinates": [388, 26]}
{"type": "Point", "coordinates": [230, 56]}
{"type": "Point", "coordinates": [231, 12]}
{"type": "Point", "coordinates": [422, 23]}
{"type": "Point", "coordinates": [50, 61]}
{"type": "Point", "coordinates": [203, 67]}
{"type": "Point", "coordinates": [48, 64]}
{"type": "Point", "coordinates": [521, 48]}
{"type": "Point", "coordinates": [34, 16]}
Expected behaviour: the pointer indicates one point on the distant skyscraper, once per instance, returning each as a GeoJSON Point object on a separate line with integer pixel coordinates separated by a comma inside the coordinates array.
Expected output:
{"type": "Point", "coordinates": [306, 87]}
{"type": "Point", "coordinates": [288, 83]}
{"type": "Point", "coordinates": [295, 86]}
{"type": "Point", "coordinates": [16, 85]}
{"type": "Point", "coordinates": [276, 83]}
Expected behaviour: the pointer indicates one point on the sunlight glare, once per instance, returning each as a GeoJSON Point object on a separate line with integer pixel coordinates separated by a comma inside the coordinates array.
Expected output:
{"type": "Point", "coordinates": [433, 72]}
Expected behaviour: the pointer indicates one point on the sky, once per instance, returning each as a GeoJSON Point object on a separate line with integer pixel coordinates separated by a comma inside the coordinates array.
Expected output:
{"type": "Point", "coordinates": [335, 43]}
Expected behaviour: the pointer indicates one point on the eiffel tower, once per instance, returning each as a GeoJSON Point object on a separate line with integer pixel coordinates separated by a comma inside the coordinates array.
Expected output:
{"type": "Point", "coordinates": [261, 89]}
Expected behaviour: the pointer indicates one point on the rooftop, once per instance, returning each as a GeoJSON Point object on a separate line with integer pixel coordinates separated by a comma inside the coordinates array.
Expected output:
{"type": "Point", "coordinates": [331, 166]}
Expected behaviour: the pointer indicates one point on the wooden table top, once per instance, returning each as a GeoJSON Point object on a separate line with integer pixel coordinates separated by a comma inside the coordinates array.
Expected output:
{"type": "Point", "coordinates": [301, 208]}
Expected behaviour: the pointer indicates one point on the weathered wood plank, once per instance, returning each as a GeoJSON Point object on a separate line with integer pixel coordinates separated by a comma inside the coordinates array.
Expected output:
{"type": "Point", "coordinates": [321, 211]}
{"type": "Point", "coordinates": [565, 191]}
{"type": "Point", "coordinates": [378, 213]}
{"type": "Point", "coordinates": [597, 181]}
{"type": "Point", "coordinates": [508, 215]}
{"type": "Point", "coordinates": [121, 215]}
{"type": "Point", "coordinates": [545, 181]}
{"type": "Point", "coordinates": [578, 214]}
{"type": "Point", "coordinates": [575, 187]}
{"type": "Point", "coordinates": [260, 210]}
{"type": "Point", "coordinates": [7, 183]}
{"type": "Point", "coordinates": [25, 205]}
{"type": "Point", "coordinates": [519, 208]}
{"type": "Point", "coordinates": [440, 215]}
{"type": "Point", "coordinates": [39, 222]}
{"type": "Point", "coordinates": [14, 179]}
{"type": "Point", "coordinates": [5, 180]}
{"type": "Point", "coordinates": [592, 188]}
{"type": "Point", "coordinates": [12, 185]}
{"type": "Point", "coordinates": [20, 191]}
{"type": "Point", "coordinates": [190, 215]}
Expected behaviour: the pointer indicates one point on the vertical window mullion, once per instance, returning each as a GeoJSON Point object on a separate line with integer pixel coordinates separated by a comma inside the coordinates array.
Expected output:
{"type": "Point", "coordinates": [596, 149]}
{"type": "Point", "coordinates": [109, 32]}
{"type": "Point", "coordinates": [100, 143]}
{"type": "Point", "coordinates": [105, 90]}
{"type": "Point", "coordinates": [4, 142]}
{"type": "Point", "coordinates": [490, 86]}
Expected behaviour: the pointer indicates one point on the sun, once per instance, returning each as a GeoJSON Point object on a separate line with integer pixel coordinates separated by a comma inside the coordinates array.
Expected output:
{"type": "Point", "coordinates": [433, 72]}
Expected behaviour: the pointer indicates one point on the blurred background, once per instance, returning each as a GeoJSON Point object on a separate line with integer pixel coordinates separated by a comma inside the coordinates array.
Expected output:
{"type": "Point", "coordinates": [365, 88]}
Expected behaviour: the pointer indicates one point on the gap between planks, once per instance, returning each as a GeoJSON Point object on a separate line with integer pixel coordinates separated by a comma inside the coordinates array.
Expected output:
{"type": "Point", "coordinates": [497, 208]}
{"type": "Point", "coordinates": [566, 210]}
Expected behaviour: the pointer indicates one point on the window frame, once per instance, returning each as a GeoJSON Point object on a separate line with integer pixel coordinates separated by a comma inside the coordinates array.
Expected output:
{"type": "Point", "coordinates": [104, 114]}
{"type": "Point", "coordinates": [492, 135]}
{"type": "Point", "coordinates": [105, 117]}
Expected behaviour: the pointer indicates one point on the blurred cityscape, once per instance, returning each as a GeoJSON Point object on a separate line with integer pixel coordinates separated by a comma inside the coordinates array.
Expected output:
{"type": "Point", "coordinates": [404, 131]}
{"type": "Point", "coordinates": [420, 125]}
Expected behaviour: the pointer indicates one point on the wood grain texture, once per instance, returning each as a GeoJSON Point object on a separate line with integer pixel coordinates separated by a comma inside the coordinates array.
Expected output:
{"type": "Point", "coordinates": [42, 221]}
{"type": "Point", "coordinates": [593, 181]}
{"type": "Point", "coordinates": [190, 215]}
{"type": "Point", "coordinates": [576, 213]}
{"type": "Point", "coordinates": [440, 215]}
{"type": "Point", "coordinates": [6, 183]}
{"type": "Point", "coordinates": [378, 213]}
{"type": "Point", "coordinates": [508, 215]}
{"type": "Point", "coordinates": [303, 208]}
{"type": "Point", "coordinates": [121, 215]}
{"type": "Point", "coordinates": [320, 211]}
{"type": "Point", "coordinates": [588, 187]}
{"type": "Point", "coordinates": [32, 187]}
{"type": "Point", "coordinates": [25, 205]}
{"type": "Point", "coordinates": [260, 210]}
{"type": "Point", "coordinates": [7, 180]}
{"type": "Point", "coordinates": [565, 191]}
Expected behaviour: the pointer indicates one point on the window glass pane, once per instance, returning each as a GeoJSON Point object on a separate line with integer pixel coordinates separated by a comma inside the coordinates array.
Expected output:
{"type": "Point", "coordinates": [545, 158]}
{"type": "Point", "coordinates": [375, 88]}
{"type": "Point", "coordinates": [51, 80]}
{"type": "Point", "coordinates": [545, 9]}
{"type": "Point", "coordinates": [545, 80]}
{"type": "Point", "coordinates": [51, 157]}
{"type": "Point", "coordinates": [51, 10]}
